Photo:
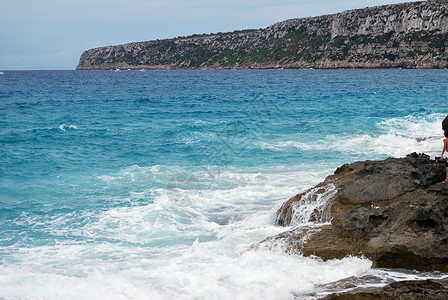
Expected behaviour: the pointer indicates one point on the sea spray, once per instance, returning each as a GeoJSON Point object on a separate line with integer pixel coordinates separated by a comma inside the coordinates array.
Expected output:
{"type": "Point", "coordinates": [93, 212]}
{"type": "Point", "coordinates": [312, 207]}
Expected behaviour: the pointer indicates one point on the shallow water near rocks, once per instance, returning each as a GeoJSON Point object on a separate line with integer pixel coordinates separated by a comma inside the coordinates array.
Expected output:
{"type": "Point", "coordinates": [154, 185]}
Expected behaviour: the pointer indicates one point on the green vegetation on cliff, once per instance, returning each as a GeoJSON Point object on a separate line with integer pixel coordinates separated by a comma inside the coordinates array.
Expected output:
{"type": "Point", "coordinates": [410, 35]}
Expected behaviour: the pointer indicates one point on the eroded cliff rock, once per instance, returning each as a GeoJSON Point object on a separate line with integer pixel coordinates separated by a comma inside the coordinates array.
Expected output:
{"type": "Point", "coordinates": [395, 212]}
{"type": "Point", "coordinates": [409, 35]}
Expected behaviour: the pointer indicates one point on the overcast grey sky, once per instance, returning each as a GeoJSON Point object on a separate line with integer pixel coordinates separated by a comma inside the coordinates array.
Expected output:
{"type": "Point", "coordinates": [51, 34]}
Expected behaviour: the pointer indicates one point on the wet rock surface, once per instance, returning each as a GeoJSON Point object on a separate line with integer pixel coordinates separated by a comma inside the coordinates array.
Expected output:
{"type": "Point", "coordinates": [394, 212]}
{"type": "Point", "coordinates": [404, 290]}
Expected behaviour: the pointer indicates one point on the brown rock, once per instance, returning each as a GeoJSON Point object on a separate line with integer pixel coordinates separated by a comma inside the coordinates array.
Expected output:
{"type": "Point", "coordinates": [403, 290]}
{"type": "Point", "coordinates": [395, 212]}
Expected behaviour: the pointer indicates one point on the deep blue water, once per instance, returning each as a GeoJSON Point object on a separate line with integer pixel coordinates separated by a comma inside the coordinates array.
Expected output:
{"type": "Point", "coordinates": [145, 165]}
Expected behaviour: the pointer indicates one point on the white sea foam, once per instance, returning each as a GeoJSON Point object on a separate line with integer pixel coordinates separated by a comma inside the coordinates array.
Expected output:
{"type": "Point", "coordinates": [163, 250]}
{"type": "Point", "coordinates": [190, 240]}
{"type": "Point", "coordinates": [312, 206]}
{"type": "Point", "coordinates": [106, 178]}
{"type": "Point", "coordinates": [63, 127]}
{"type": "Point", "coordinates": [201, 271]}
{"type": "Point", "coordinates": [30, 282]}
{"type": "Point", "coordinates": [397, 137]}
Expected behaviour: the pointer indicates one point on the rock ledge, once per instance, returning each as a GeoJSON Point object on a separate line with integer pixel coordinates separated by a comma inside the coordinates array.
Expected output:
{"type": "Point", "coordinates": [406, 290]}
{"type": "Point", "coordinates": [394, 212]}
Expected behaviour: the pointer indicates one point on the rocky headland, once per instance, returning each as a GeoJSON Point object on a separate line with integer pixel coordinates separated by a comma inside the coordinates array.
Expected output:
{"type": "Point", "coordinates": [394, 212]}
{"type": "Point", "coordinates": [408, 35]}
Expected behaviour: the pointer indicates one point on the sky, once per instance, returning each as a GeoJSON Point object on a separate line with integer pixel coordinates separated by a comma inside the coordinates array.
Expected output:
{"type": "Point", "coordinates": [52, 34]}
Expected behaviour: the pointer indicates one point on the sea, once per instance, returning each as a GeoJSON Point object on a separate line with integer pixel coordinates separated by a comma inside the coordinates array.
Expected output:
{"type": "Point", "coordinates": [157, 184]}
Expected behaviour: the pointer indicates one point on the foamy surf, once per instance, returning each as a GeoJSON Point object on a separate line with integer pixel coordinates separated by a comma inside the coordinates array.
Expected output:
{"type": "Point", "coordinates": [64, 127]}
{"type": "Point", "coordinates": [394, 137]}
{"type": "Point", "coordinates": [164, 250]}
{"type": "Point", "coordinates": [175, 175]}
{"type": "Point", "coordinates": [193, 239]}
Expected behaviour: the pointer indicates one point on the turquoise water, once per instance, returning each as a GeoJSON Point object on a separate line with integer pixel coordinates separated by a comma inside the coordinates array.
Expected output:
{"type": "Point", "coordinates": [153, 185]}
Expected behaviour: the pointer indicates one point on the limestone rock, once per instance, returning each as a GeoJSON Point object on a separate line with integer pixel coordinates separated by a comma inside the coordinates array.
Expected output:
{"type": "Point", "coordinates": [408, 35]}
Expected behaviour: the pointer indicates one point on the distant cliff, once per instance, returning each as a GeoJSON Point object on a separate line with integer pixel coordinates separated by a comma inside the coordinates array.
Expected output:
{"type": "Point", "coordinates": [408, 35]}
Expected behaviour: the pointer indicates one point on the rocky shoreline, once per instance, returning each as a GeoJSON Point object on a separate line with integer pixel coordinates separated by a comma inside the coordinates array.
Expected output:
{"type": "Point", "coordinates": [394, 212]}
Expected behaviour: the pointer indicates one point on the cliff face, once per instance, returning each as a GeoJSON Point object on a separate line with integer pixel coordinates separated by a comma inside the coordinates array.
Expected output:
{"type": "Point", "coordinates": [410, 35]}
{"type": "Point", "coordinates": [395, 212]}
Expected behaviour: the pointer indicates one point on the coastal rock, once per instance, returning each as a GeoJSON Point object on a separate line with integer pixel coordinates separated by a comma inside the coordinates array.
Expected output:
{"type": "Point", "coordinates": [403, 290]}
{"type": "Point", "coordinates": [394, 212]}
{"type": "Point", "coordinates": [407, 35]}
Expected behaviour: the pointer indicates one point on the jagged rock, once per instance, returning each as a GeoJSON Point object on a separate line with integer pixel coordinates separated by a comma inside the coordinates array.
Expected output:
{"type": "Point", "coordinates": [395, 212]}
{"type": "Point", "coordinates": [408, 35]}
{"type": "Point", "coordinates": [403, 290]}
